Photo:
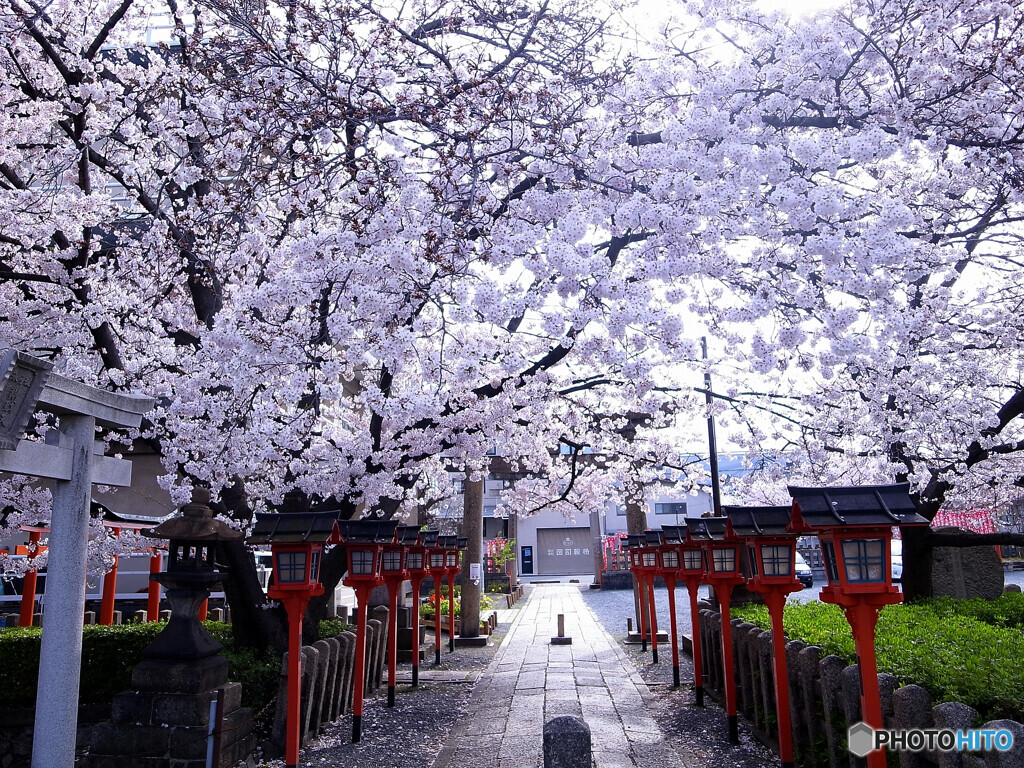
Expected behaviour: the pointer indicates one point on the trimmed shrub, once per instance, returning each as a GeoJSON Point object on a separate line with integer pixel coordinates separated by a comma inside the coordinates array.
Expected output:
{"type": "Point", "coordinates": [109, 654]}
{"type": "Point", "coordinates": [951, 653]}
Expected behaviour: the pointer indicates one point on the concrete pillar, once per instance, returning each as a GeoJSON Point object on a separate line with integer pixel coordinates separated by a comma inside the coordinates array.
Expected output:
{"type": "Point", "coordinates": [60, 656]}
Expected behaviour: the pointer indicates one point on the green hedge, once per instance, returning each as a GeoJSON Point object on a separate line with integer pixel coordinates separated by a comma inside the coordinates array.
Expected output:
{"type": "Point", "coordinates": [109, 654]}
{"type": "Point", "coordinates": [958, 650]}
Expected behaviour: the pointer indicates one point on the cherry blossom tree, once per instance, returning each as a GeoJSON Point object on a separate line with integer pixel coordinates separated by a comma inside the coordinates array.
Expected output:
{"type": "Point", "coordinates": [346, 247]}
{"type": "Point", "coordinates": [351, 247]}
{"type": "Point", "coordinates": [849, 186]}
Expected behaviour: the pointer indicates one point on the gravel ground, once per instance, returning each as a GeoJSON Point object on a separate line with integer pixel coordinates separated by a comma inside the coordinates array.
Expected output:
{"type": "Point", "coordinates": [411, 734]}
{"type": "Point", "coordinates": [698, 731]}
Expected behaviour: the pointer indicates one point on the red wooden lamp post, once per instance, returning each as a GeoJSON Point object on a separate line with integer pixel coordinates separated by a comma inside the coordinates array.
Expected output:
{"type": "Point", "coordinates": [436, 562]}
{"type": "Point", "coordinates": [854, 526]}
{"type": "Point", "coordinates": [635, 543]}
{"type": "Point", "coordinates": [28, 590]}
{"type": "Point", "coordinates": [669, 568]}
{"type": "Point", "coordinates": [693, 569]}
{"type": "Point", "coordinates": [416, 568]}
{"type": "Point", "coordinates": [771, 553]}
{"type": "Point", "coordinates": [392, 570]}
{"type": "Point", "coordinates": [364, 561]}
{"type": "Point", "coordinates": [650, 559]}
{"type": "Point", "coordinates": [297, 541]}
{"type": "Point", "coordinates": [722, 553]}
{"type": "Point", "coordinates": [452, 565]}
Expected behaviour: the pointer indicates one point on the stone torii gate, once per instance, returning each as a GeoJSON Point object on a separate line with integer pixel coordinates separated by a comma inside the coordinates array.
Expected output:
{"type": "Point", "coordinates": [74, 460]}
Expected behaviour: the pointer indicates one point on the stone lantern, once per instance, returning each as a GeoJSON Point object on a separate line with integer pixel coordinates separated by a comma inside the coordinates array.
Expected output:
{"type": "Point", "coordinates": [181, 685]}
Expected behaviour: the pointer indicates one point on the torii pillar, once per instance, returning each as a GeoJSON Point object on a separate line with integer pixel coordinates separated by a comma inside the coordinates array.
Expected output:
{"type": "Point", "coordinates": [75, 463]}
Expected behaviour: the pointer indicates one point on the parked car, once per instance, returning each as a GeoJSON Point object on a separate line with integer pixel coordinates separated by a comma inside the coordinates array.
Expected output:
{"type": "Point", "coordinates": [897, 560]}
{"type": "Point", "coordinates": [804, 572]}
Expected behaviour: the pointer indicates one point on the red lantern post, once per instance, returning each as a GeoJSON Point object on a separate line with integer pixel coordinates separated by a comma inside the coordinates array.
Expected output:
{"type": "Point", "coordinates": [436, 562]}
{"type": "Point", "coordinates": [649, 557]}
{"type": "Point", "coordinates": [297, 542]}
{"type": "Point", "coordinates": [416, 567]}
{"type": "Point", "coordinates": [364, 560]}
{"type": "Point", "coordinates": [452, 567]}
{"type": "Point", "coordinates": [771, 553]}
{"type": "Point", "coordinates": [392, 570]}
{"type": "Point", "coordinates": [854, 526]}
{"type": "Point", "coordinates": [693, 568]}
{"type": "Point", "coordinates": [721, 549]}
{"type": "Point", "coordinates": [28, 590]}
{"type": "Point", "coordinates": [153, 593]}
{"type": "Point", "coordinates": [669, 568]}
{"type": "Point", "coordinates": [110, 587]}
{"type": "Point", "coordinates": [635, 546]}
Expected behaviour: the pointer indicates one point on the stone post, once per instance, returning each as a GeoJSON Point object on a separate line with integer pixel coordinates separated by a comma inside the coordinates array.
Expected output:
{"type": "Point", "coordinates": [567, 743]}
{"type": "Point", "coordinates": [60, 656]}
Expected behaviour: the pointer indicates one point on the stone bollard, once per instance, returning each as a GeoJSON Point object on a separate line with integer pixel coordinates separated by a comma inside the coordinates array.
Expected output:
{"type": "Point", "coordinates": [561, 639]}
{"type": "Point", "coordinates": [567, 743]}
{"type": "Point", "coordinates": [140, 617]}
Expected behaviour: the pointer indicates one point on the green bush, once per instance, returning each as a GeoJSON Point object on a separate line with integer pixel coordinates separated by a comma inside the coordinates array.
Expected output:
{"type": "Point", "coordinates": [427, 607]}
{"type": "Point", "coordinates": [940, 645]}
{"type": "Point", "coordinates": [109, 654]}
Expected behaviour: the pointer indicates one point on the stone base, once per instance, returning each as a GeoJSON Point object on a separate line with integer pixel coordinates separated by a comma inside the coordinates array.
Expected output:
{"type": "Point", "coordinates": [617, 580]}
{"type": "Point", "coordinates": [633, 638]}
{"type": "Point", "coordinates": [426, 651]}
{"type": "Point", "coordinates": [191, 676]}
{"type": "Point", "coordinates": [471, 642]}
{"type": "Point", "coordinates": [169, 730]}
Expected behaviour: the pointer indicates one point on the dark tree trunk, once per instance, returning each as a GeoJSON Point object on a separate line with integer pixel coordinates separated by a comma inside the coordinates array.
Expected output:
{"type": "Point", "coordinates": [252, 623]}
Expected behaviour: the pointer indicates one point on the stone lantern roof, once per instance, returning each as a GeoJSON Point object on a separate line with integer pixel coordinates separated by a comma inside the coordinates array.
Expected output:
{"type": "Point", "coordinates": [195, 523]}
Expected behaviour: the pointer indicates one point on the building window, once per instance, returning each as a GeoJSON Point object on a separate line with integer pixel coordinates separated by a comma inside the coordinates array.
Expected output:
{"type": "Point", "coordinates": [620, 510]}
{"type": "Point", "coordinates": [676, 508]}
{"type": "Point", "coordinates": [459, 486]}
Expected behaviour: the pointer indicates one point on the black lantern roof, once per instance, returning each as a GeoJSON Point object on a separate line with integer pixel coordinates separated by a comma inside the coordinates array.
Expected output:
{"type": "Point", "coordinates": [452, 542]}
{"type": "Point", "coordinates": [846, 506]}
{"type": "Point", "coordinates": [654, 538]}
{"type": "Point", "coordinates": [409, 535]}
{"type": "Point", "coordinates": [428, 538]}
{"type": "Point", "coordinates": [759, 521]}
{"type": "Point", "coordinates": [367, 530]}
{"type": "Point", "coordinates": [707, 528]}
{"type": "Point", "coordinates": [293, 527]}
{"type": "Point", "coordinates": [636, 540]}
{"type": "Point", "coordinates": [674, 534]}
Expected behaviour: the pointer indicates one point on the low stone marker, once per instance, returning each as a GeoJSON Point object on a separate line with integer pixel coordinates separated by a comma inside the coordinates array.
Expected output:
{"type": "Point", "coordinates": [561, 639]}
{"type": "Point", "coordinates": [567, 743]}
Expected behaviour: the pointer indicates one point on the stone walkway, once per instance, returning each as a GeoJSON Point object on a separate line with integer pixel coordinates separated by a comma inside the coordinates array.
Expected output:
{"type": "Point", "coordinates": [531, 681]}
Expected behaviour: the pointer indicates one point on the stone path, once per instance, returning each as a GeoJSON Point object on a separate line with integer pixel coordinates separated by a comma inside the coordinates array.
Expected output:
{"type": "Point", "coordinates": [531, 681]}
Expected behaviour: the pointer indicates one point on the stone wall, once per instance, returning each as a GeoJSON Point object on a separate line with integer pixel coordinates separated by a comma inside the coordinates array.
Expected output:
{"type": "Point", "coordinates": [824, 695]}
